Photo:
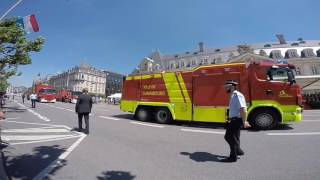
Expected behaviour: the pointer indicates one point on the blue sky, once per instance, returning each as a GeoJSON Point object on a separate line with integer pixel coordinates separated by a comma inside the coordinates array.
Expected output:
{"type": "Point", "coordinates": [116, 34]}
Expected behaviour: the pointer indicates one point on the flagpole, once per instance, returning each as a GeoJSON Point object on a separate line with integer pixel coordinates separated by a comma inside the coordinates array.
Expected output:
{"type": "Point", "coordinates": [10, 9]}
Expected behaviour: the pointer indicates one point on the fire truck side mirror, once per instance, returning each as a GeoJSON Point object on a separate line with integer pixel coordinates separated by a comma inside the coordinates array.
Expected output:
{"type": "Point", "coordinates": [291, 78]}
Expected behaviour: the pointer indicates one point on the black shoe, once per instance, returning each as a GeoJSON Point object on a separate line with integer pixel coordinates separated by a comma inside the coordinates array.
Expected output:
{"type": "Point", "coordinates": [229, 159]}
{"type": "Point", "coordinates": [240, 152]}
{"type": "Point", "coordinates": [80, 129]}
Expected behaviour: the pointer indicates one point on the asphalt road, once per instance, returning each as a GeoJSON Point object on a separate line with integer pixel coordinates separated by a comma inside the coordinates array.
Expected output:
{"type": "Point", "coordinates": [43, 145]}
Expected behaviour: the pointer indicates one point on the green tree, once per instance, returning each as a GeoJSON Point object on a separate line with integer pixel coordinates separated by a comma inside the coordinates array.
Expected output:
{"type": "Point", "coordinates": [14, 49]}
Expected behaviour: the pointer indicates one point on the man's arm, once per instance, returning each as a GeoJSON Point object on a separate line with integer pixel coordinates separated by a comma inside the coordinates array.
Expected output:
{"type": "Point", "coordinates": [243, 112]}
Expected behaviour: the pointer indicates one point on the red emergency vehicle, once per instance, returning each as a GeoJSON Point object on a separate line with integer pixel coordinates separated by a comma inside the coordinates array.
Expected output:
{"type": "Point", "coordinates": [271, 93]}
{"type": "Point", "coordinates": [64, 95]}
{"type": "Point", "coordinates": [45, 93]}
{"type": "Point", "coordinates": [74, 96]}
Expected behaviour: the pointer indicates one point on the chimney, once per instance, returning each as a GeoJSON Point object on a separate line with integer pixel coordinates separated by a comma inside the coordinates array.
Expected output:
{"type": "Point", "coordinates": [201, 47]}
{"type": "Point", "coordinates": [281, 39]}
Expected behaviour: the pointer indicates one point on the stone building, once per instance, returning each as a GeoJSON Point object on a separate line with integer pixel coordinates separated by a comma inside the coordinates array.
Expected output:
{"type": "Point", "coordinates": [113, 82]}
{"type": "Point", "coordinates": [80, 77]}
{"type": "Point", "coordinates": [304, 54]}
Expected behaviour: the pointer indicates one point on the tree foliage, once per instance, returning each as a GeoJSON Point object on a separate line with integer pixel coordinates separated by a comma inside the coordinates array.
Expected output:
{"type": "Point", "coordinates": [15, 49]}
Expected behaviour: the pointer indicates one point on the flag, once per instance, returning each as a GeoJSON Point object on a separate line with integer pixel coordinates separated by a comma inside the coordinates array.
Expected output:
{"type": "Point", "coordinates": [28, 23]}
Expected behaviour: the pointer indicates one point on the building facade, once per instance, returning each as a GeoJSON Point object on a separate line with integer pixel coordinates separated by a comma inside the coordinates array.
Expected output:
{"type": "Point", "coordinates": [113, 83]}
{"type": "Point", "coordinates": [304, 54]}
{"type": "Point", "coordinates": [79, 77]}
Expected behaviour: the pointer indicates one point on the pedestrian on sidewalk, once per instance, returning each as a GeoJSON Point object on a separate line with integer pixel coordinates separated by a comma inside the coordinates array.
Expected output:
{"type": "Point", "coordinates": [23, 96]}
{"type": "Point", "coordinates": [33, 98]}
{"type": "Point", "coordinates": [83, 108]}
{"type": "Point", "coordinates": [237, 117]}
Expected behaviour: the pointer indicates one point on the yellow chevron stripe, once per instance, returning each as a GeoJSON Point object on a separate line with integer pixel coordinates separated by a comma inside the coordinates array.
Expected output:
{"type": "Point", "coordinates": [184, 88]}
{"type": "Point", "coordinates": [173, 89]}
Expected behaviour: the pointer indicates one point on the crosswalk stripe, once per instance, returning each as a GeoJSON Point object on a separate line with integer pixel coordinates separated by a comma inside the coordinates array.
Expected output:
{"type": "Point", "coordinates": [34, 130]}
{"type": "Point", "coordinates": [32, 138]}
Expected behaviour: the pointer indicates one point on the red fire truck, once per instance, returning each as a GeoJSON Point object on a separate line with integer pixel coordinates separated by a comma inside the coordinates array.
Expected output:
{"type": "Point", "coordinates": [74, 96]}
{"type": "Point", "coordinates": [270, 90]}
{"type": "Point", "coordinates": [45, 93]}
{"type": "Point", "coordinates": [64, 95]}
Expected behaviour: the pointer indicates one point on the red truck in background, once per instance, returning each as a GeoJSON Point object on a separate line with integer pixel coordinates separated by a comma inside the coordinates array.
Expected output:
{"type": "Point", "coordinates": [74, 96]}
{"type": "Point", "coordinates": [64, 95]}
{"type": "Point", "coordinates": [45, 93]}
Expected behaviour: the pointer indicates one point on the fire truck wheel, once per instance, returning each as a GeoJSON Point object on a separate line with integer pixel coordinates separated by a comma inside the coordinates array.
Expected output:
{"type": "Point", "coordinates": [163, 115]}
{"type": "Point", "coordinates": [264, 119]}
{"type": "Point", "coordinates": [143, 114]}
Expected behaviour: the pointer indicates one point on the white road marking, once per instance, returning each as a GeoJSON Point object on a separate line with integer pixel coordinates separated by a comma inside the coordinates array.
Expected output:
{"type": "Point", "coordinates": [13, 118]}
{"type": "Point", "coordinates": [111, 118]}
{"type": "Point", "coordinates": [293, 134]}
{"type": "Point", "coordinates": [41, 124]}
{"type": "Point", "coordinates": [309, 120]}
{"type": "Point", "coordinates": [59, 160]}
{"type": "Point", "coordinates": [60, 107]}
{"type": "Point", "coordinates": [145, 124]}
{"type": "Point", "coordinates": [49, 140]}
{"type": "Point", "coordinates": [32, 138]}
{"type": "Point", "coordinates": [39, 115]}
{"type": "Point", "coordinates": [203, 131]}
{"type": "Point", "coordinates": [35, 130]}
{"type": "Point", "coordinates": [34, 113]}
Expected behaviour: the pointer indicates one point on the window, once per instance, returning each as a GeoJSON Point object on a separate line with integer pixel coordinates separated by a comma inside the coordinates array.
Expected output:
{"type": "Point", "coordinates": [188, 64]}
{"type": "Point", "coordinates": [298, 71]}
{"type": "Point", "coordinates": [291, 53]}
{"type": "Point", "coordinates": [318, 53]}
{"type": "Point", "coordinates": [205, 61]}
{"type": "Point", "coordinates": [306, 53]}
{"type": "Point", "coordinates": [219, 60]}
{"type": "Point", "coordinates": [171, 66]}
{"type": "Point", "coordinates": [193, 63]}
{"type": "Point", "coordinates": [200, 62]}
{"type": "Point", "coordinates": [279, 74]}
{"type": "Point", "coordinates": [182, 63]}
{"type": "Point", "coordinates": [276, 54]}
{"type": "Point", "coordinates": [262, 53]}
{"type": "Point", "coordinates": [315, 70]}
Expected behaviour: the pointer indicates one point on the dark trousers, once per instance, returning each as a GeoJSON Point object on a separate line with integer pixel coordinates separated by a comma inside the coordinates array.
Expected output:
{"type": "Point", "coordinates": [232, 136]}
{"type": "Point", "coordinates": [23, 100]}
{"type": "Point", "coordinates": [86, 120]}
{"type": "Point", "coordinates": [33, 103]}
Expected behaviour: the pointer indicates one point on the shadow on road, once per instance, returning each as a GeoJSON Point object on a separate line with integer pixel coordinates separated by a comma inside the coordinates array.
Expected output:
{"type": "Point", "coordinates": [27, 166]}
{"type": "Point", "coordinates": [203, 156]}
{"type": "Point", "coordinates": [124, 116]}
{"type": "Point", "coordinates": [206, 125]}
{"type": "Point", "coordinates": [14, 109]}
{"type": "Point", "coordinates": [116, 175]}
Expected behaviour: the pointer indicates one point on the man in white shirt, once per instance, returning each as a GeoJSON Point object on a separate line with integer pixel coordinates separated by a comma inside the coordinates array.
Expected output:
{"type": "Point", "coordinates": [237, 117]}
{"type": "Point", "coordinates": [33, 98]}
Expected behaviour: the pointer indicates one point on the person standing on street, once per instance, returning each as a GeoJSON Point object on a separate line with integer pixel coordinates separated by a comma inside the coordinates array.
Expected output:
{"type": "Point", "coordinates": [237, 117]}
{"type": "Point", "coordinates": [23, 96]}
{"type": "Point", "coordinates": [33, 98]}
{"type": "Point", "coordinates": [83, 108]}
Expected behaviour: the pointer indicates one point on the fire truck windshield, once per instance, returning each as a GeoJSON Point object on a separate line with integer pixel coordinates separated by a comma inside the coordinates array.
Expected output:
{"type": "Point", "coordinates": [281, 74]}
{"type": "Point", "coordinates": [76, 93]}
{"type": "Point", "coordinates": [47, 91]}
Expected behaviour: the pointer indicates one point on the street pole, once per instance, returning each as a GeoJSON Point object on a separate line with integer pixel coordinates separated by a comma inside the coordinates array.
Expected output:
{"type": "Point", "coordinates": [10, 9]}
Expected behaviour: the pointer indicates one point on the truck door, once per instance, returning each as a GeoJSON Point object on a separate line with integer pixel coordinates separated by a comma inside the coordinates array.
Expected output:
{"type": "Point", "coordinates": [275, 88]}
{"type": "Point", "coordinates": [210, 100]}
